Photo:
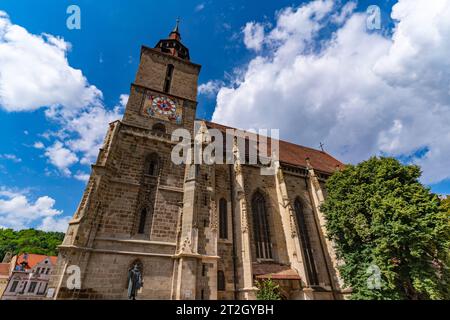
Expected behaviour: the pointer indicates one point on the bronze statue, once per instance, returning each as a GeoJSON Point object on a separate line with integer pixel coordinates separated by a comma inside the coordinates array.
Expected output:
{"type": "Point", "coordinates": [134, 281]}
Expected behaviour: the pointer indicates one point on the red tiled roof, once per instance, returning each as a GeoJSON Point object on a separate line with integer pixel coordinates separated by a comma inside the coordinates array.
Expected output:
{"type": "Point", "coordinates": [296, 155]}
{"type": "Point", "coordinates": [274, 271]}
{"type": "Point", "coordinates": [34, 259]}
{"type": "Point", "coordinates": [4, 269]}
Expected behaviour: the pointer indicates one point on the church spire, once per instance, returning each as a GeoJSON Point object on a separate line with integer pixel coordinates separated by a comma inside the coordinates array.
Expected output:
{"type": "Point", "coordinates": [175, 34]}
{"type": "Point", "coordinates": [173, 45]}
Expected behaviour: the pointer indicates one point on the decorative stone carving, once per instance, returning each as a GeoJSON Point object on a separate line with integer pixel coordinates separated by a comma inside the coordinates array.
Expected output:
{"type": "Point", "coordinates": [244, 217]}
{"type": "Point", "coordinates": [186, 247]}
{"type": "Point", "coordinates": [213, 216]}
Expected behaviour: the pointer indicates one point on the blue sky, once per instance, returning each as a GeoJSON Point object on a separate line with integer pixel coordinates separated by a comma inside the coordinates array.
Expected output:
{"type": "Point", "coordinates": [225, 37]}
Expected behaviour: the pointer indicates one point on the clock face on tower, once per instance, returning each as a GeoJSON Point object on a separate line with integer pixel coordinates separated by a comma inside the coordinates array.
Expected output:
{"type": "Point", "coordinates": [164, 105]}
{"type": "Point", "coordinates": [163, 108]}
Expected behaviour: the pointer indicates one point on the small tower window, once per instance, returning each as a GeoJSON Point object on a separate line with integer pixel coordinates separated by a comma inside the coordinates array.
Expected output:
{"type": "Point", "coordinates": [142, 220]}
{"type": "Point", "coordinates": [223, 221]}
{"type": "Point", "coordinates": [168, 80]}
{"type": "Point", "coordinates": [220, 281]}
{"type": "Point", "coordinates": [159, 128]}
{"type": "Point", "coordinates": [152, 165]}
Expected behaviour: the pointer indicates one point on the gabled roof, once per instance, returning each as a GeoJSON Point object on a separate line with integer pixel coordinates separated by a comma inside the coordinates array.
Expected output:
{"type": "Point", "coordinates": [34, 259]}
{"type": "Point", "coordinates": [297, 155]}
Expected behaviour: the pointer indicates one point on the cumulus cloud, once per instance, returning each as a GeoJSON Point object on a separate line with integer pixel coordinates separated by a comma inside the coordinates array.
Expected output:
{"type": "Point", "coordinates": [90, 128]}
{"type": "Point", "coordinates": [53, 224]}
{"type": "Point", "coordinates": [34, 72]}
{"type": "Point", "coordinates": [61, 157]}
{"type": "Point", "coordinates": [362, 93]}
{"type": "Point", "coordinates": [253, 35]}
{"type": "Point", "coordinates": [82, 176]}
{"type": "Point", "coordinates": [17, 211]}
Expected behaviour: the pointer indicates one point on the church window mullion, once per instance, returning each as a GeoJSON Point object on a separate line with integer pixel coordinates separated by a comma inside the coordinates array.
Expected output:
{"type": "Point", "coordinates": [261, 228]}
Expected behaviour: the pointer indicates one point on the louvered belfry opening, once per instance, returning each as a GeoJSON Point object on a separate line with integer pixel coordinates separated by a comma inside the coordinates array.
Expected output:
{"type": "Point", "coordinates": [261, 227]}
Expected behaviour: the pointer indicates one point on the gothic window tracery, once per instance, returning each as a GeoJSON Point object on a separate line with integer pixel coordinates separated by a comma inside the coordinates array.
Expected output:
{"type": "Point", "coordinates": [261, 227]}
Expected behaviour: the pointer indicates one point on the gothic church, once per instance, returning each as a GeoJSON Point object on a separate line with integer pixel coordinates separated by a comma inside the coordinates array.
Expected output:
{"type": "Point", "coordinates": [195, 231]}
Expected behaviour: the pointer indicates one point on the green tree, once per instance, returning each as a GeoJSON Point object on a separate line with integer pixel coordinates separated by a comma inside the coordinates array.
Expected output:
{"type": "Point", "coordinates": [446, 204]}
{"type": "Point", "coordinates": [383, 219]}
{"type": "Point", "coordinates": [268, 290]}
{"type": "Point", "coordinates": [30, 241]}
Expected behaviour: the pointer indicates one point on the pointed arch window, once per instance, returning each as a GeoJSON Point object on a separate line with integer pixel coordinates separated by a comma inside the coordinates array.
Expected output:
{"type": "Point", "coordinates": [223, 219]}
{"type": "Point", "coordinates": [220, 281]}
{"type": "Point", "coordinates": [261, 227]}
{"type": "Point", "coordinates": [305, 240]}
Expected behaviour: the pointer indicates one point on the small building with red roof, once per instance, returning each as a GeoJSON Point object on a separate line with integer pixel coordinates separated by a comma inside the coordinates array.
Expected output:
{"type": "Point", "coordinates": [28, 276]}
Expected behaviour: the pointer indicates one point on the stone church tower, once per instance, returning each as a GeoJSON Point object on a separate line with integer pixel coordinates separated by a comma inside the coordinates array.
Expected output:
{"type": "Point", "coordinates": [195, 231]}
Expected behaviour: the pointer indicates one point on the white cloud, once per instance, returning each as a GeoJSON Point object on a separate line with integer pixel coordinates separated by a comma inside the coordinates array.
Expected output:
{"type": "Point", "coordinates": [82, 176]}
{"type": "Point", "coordinates": [38, 145]}
{"type": "Point", "coordinates": [11, 157]}
{"type": "Point", "coordinates": [210, 88]}
{"type": "Point", "coordinates": [35, 72]}
{"type": "Point", "coordinates": [17, 211]}
{"type": "Point", "coordinates": [124, 100]}
{"type": "Point", "coordinates": [61, 157]}
{"type": "Point", "coordinates": [346, 11]}
{"type": "Point", "coordinates": [89, 129]}
{"type": "Point", "coordinates": [53, 224]}
{"type": "Point", "coordinates": [360, 92]}
{"type": "Point", "coordinates": [253, 35]}
{"type": "Point", "coordinates": [199, 7]}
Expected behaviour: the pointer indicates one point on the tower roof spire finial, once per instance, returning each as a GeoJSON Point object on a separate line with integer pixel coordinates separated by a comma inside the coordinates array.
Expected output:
{"type": "Point", "coordinates": [175, 34]}
{"type": "Point", "coordinates": [172, 45]}
{"type": "Point", "coordinates": [177, 26]}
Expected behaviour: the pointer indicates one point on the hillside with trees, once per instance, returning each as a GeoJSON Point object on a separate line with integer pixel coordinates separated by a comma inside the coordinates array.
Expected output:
{"type": "Point", "coordinates": [30, 241]}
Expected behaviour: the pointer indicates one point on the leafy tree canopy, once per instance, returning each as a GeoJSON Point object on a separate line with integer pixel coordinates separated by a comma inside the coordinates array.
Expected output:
{"type": "Point", "coordinates": [268, 290]}
{"type": "Point", "coordinates": [390, 232]}
{"type": "Point", "coordinates": [30, 241]}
